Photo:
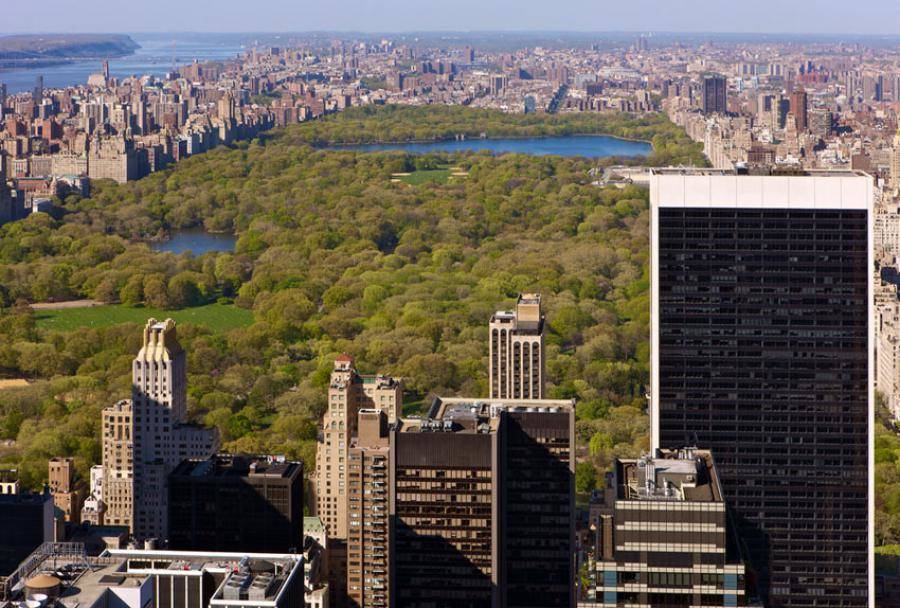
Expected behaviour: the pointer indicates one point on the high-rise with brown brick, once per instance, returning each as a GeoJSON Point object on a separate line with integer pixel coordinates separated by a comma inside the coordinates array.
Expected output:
{"type": "Point", "coordinates": [368, 535]}
{"type": "Point", "coordinates": [67, 496]}
{"type": "Point", "coordinates": [348, 393]}
{"type": "Point", "coordinates": [800, 109]}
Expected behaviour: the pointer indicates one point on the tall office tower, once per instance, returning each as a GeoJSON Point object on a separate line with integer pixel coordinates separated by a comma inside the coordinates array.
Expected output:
{"type": "Point", "coordinates": [516, 359]}
{"type": "Point", "coordinates": [780, 109]}
{"type": "Point", "coordinates": [236, 503]}
{"type": "Point", "coordinates": [161, 438]}
{"type": "Point", "coordinates": [348, 393]}
{"type": "Point", "coordinates": [66, 496]}
{"type": "Point", "coordinates": [38, 93]}
{"type": "Point", "coordinates": [800, 109]}
{"type": "Point", "coordinates": [714, 94]}
{"type": "Point", "coordinates": [226, 107]}
{"type": "Point", "coordinates": [482, 505]}
{"type": "Point", "coordinates": [762, 353]}
{"type": "Point", "coordinates": [2, 98]}
{"type": "Point", "coordinates": [368, 537]}
{"type": "Point", "coordinates": [117, 486]}
{"type": "Point", "coordinates": [662, 535]}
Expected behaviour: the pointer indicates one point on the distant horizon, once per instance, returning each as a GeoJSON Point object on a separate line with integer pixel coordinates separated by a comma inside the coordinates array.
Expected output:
{"type": "Point", "coordinates": [347, 32]}
{"type": "Point", "coordinates": [822, 17]}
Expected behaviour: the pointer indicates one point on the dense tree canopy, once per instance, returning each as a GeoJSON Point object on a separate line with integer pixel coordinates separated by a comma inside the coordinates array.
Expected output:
{"type": "Point", "coordinates": [332, 257]}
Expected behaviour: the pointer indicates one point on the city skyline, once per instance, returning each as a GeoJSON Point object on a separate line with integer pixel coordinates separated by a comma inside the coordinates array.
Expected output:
{"type": "Point", "coordinates": [652, 357]}
{"type": "Point", "coordinates": [830, 17]}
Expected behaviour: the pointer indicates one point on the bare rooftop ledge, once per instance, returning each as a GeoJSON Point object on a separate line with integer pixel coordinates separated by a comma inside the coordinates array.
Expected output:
{"type": "Point", "coordinates": [774, 172]}
{"type": "Point", "coordinates": [721, 188]}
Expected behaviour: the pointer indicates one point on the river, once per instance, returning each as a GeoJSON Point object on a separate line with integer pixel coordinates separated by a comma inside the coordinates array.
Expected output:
{"type": "Point", "coordinates": [154, 57]}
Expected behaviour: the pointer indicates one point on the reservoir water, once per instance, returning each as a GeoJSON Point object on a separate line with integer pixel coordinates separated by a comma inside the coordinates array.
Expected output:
{"type": "Point", "coordinates": [591, 146]}
{"type": "Point", "coordinates": [196, 241]}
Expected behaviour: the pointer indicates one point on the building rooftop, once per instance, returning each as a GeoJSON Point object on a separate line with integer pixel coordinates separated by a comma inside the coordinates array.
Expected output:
{"type": "Point", "coordinates": [708, 172]}
{"type": "Point", "coordinates": [688, 475]}
{"type": "Point", "coordinates": [24, 498]}
{"type": "Point", "coordinates": [237, 465]}
{"type": "Point", "coordinates": [313, 525]}
{"type": "Point", "coordinates": [84, 580]}
{"type": "Point", "coordinates": [715, 188]}
{"type": "Point", "coordinates": [467, 415]}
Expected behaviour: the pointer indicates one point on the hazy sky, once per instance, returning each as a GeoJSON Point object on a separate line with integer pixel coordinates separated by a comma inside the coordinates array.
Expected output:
{"type": "Point", "coordinates": [763, 16]}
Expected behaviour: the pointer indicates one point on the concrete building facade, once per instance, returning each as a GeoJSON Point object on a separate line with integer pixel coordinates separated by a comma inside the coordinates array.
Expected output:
{"type": "Point", "coordinates": [516, 351]}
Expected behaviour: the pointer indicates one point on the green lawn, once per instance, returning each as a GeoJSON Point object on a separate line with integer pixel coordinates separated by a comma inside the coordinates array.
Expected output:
{"type": "Point", "coordinates": [415, 408]}
{"type": "Point", "coordinates": [439, 176]}
{"type": "Point", "coordinates": [218, 317]}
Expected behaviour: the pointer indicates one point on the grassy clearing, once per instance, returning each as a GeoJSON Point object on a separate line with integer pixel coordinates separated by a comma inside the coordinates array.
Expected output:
{"type": "Point", "coordinates": [217, 317]}
{"type": "Point", "coordinates": [435, 176]}
{"type": "Point", "coordinates": [415, 408]}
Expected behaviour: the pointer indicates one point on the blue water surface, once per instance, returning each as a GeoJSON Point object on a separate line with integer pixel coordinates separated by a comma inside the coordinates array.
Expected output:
{"type": "Point", "coordinates": [197, 242]}
{"type": "Point", "coordinates": [591, 146]}
{"type": "Point", "coordinates": [156, 56]}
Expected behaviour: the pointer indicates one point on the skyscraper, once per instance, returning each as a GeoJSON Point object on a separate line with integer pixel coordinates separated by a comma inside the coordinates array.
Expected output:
{"type": "Point", "coordinates": [762, 353]}
{"type": "Point", "coordinates": [714, 94]}
{"type": "Point", "coordinates": [38, 93]}
{"type": "Point", "coordinates": [146, 437]}
{"type": "Point", "coordinates": [895, 161]}
{"type": "Point", "coordinates": [516, 359]}
{"type": "Point", "coordinates": [26, 521]}
{"type": "Point", "coordinates": [117, 487]}
{"type": "Point", "coordinates": [482, 505]}
{"type": "Point", "coordinates": [368, 536]}
{"type": "Point", "coordinates": [800, 109]}
{"type": "Point", "coordinates": [348, 393]}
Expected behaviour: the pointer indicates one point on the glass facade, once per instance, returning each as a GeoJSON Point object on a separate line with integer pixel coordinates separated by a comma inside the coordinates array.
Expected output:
{"type": "Point", "coordinates": [763, 359]}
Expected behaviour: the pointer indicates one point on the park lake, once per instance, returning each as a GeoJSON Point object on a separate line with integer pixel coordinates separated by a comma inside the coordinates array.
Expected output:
{"type": "Point", "coordinates": [198, 242]}
{"type": "Point", "coordinates": [590, 146]}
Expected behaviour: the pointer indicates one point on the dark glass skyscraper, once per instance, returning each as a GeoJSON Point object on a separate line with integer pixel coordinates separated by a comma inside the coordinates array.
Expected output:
{"type": "Point", "coordinates": [762, 353]}
{"type": "Point", "coordinates": [714, 94]}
